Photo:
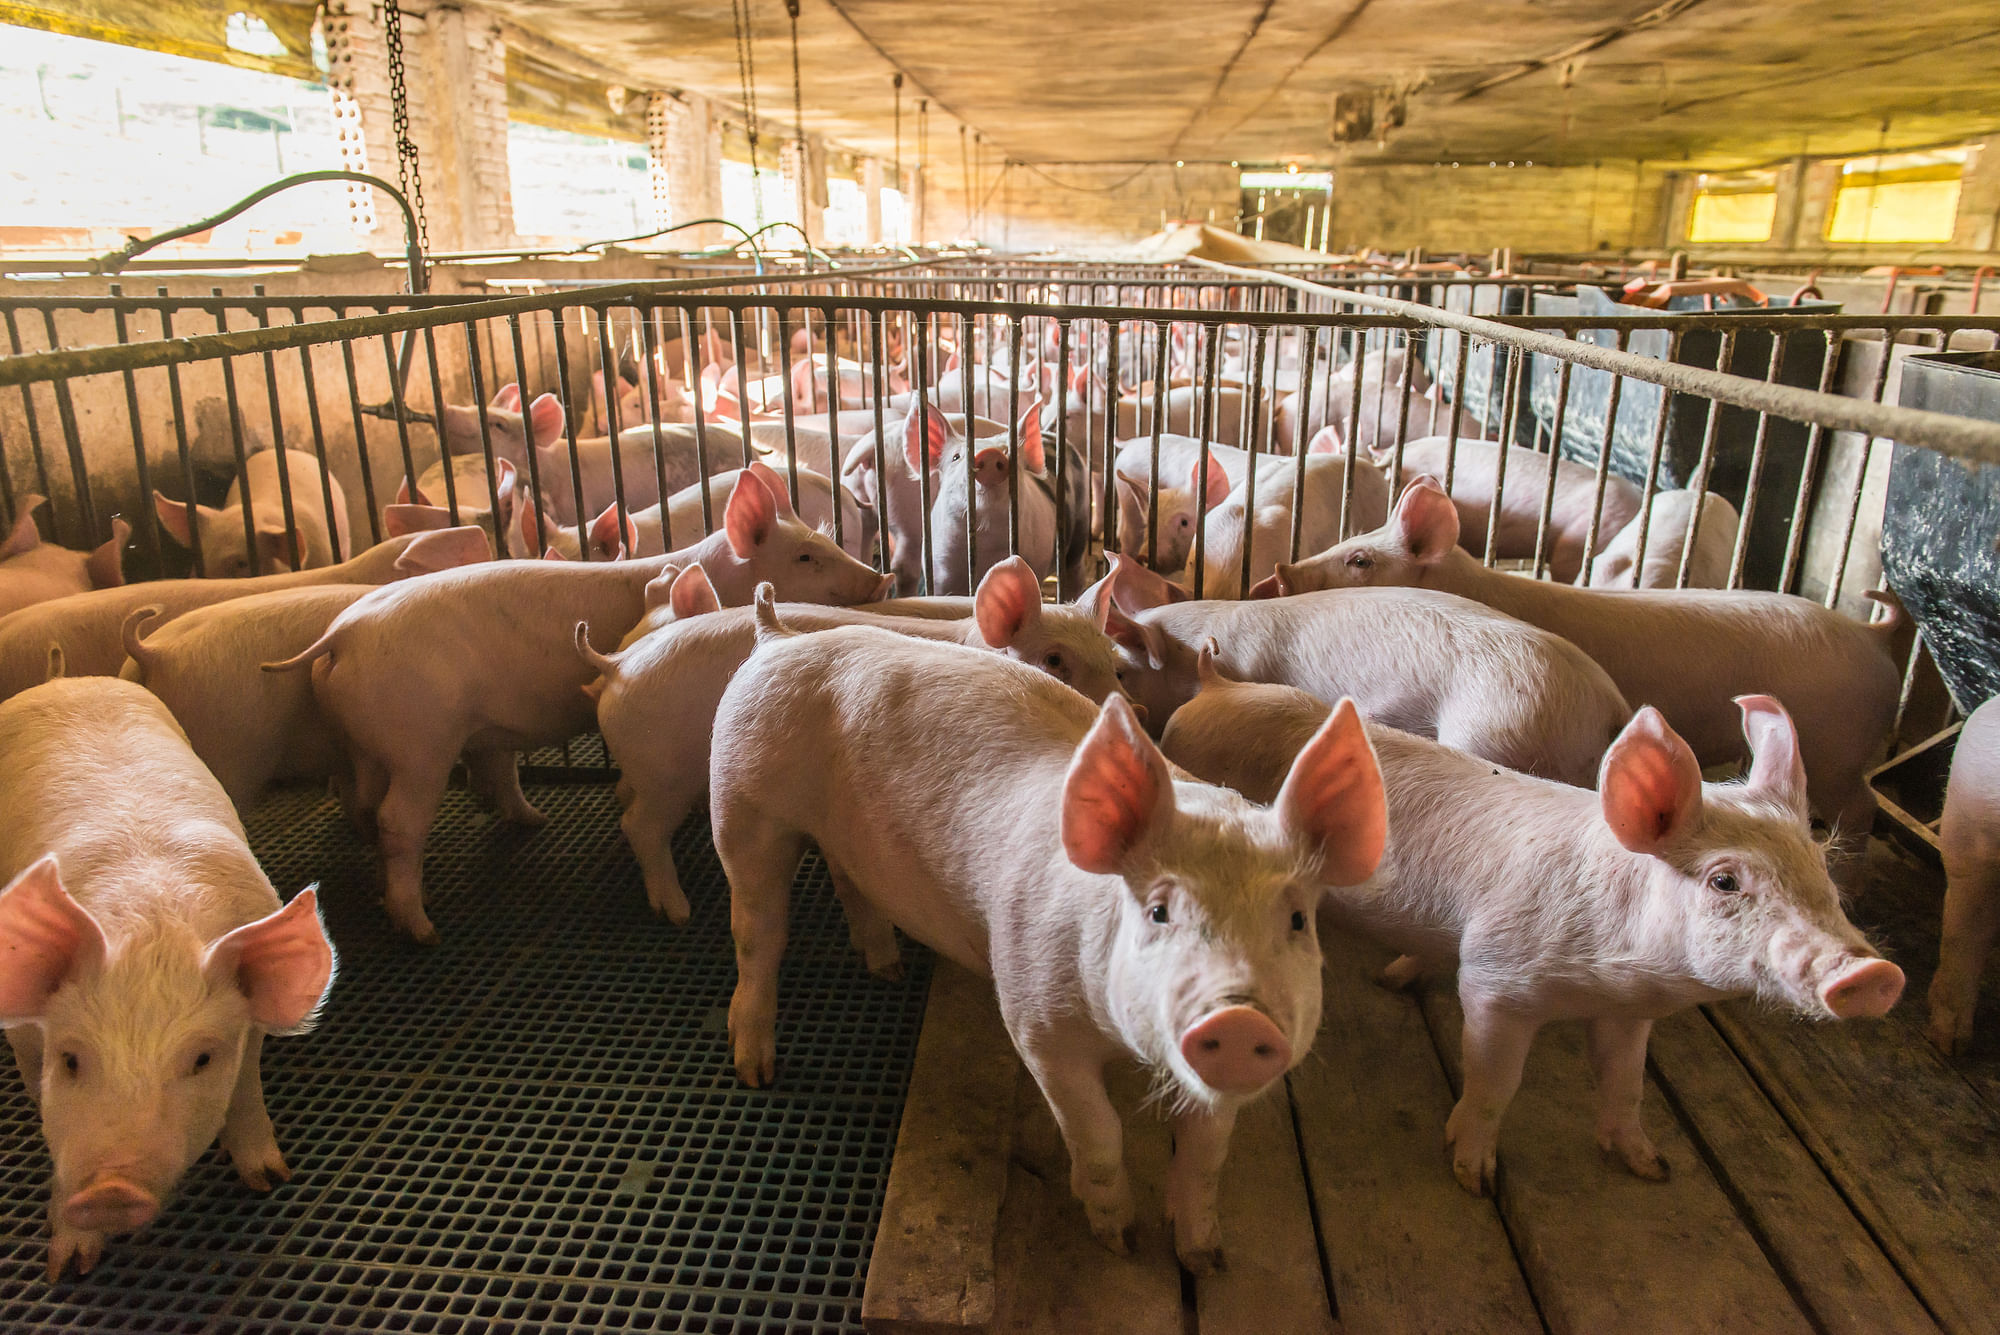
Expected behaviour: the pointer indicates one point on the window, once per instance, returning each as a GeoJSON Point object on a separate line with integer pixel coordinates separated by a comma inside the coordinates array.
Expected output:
{"type": "Point", "coordinates": [846, 213]}
{"type": "Point", "coordinates": [769, 196]}
{"type": "Point", "coordinates": [1898, 197]}
{"type": "Point", "coordinates": [577, 187]}
{"type": "Point", "coordinates": [1739, 206]}
{"type": "Point", "coordinates": [895, 217]}
{"type": "Point", "coordinates": [1287, 180]}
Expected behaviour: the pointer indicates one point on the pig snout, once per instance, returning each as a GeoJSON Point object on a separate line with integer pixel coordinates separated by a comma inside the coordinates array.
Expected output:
{"type": "Point", "coordinates": [111, 1203]}
{"type": "Point", "coordinates": [989, 468]}
{"type": "Point", "coordinates": [1864, 989]}
{"type": "Point", "coordinates": [1237, 1049]}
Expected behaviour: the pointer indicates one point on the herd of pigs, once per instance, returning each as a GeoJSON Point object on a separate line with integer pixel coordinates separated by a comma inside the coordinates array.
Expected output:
{"type": "Point", "coordinates": [1135, 811]}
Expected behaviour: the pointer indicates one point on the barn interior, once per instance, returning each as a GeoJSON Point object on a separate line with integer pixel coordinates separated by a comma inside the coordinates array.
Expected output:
{"type": "Point", "coordinates": [500, 350]}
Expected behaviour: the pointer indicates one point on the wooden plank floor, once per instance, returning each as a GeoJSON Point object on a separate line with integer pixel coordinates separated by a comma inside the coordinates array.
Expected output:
{"type": "Point", "coordinates": [1826, 1178]}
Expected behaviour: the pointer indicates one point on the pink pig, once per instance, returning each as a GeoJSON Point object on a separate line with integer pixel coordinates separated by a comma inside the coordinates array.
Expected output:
{"type": "Point", "coordinates": [33, 571]}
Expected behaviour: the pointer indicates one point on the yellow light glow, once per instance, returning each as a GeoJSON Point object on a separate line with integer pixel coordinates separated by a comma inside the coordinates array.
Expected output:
{"type": "Point", "coordinates": [1745, 217]}
{"type": "Point", "coordinates": [1898, 211]}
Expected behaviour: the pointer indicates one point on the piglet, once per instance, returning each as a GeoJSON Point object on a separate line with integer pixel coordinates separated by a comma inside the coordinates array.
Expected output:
{"type": "Point", "coordinates": [981, 493]}
{"type": "Point", "coordinates": [1666, 540]}
{"type": "Point", "coordinates": [683, 516]}
{"type": "Point", "coordinates": [1619, 907]}
{"type": "Point", "coordinates": [480, 661]}
{"type": "Point", "coordinates": [33, 571]}
{"type": "Point", "coordinates": [1247, 532]}
{"type": "Point", "coordinates": [1121, 912]}
{"type": "Point", "coordinates": [147, 957]}
{"type": "Point", "coordinates": [88, 627]}
{"type": "Point", "coordinates": [429, 505]}
{"type": "Point", "coordinates": [310, 543]}
{"type": "Point", "coordinates": [1970, 841]}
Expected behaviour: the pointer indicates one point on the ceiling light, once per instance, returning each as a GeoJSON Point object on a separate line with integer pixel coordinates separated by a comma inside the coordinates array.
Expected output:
{"type": "Point", "coordinates": [1292, 167]}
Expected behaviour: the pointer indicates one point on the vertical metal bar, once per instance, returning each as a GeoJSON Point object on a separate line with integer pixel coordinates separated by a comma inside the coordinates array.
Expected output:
{"type": "Point", "coordinates": [180, 441]}
{"type": "Point", "coordinates": [1603, 472]}
{"type": "Point", "coordinates": [1108, 500]}
{"type": "Point", "coordinates": [1554, 454]}
{"type": "Point", "coordinates": [649, 376]}
{"type": "Point", "coordinates": [1698, 484]}
{"type": "Point", "coordinates": [283, 455]}
{"type": "Point", "coordinates": [437, 410]}
{"type": "Point", "coordinates": [608, 360]}
{"type": "Point", "coordinates": [478, 383]}
{"type": "Point", "coordinates": [307, 378]}
{"type": "Point", "coordinates": [360, 439]}
{"type": "Point", "coordinates": [1063, 590]}
{"type": "Point", "coordinates": [1014, 326]}
{"type": "Point", "coordinates": [1159, 416]}
{"type": "Point", "coordinates": [533, 456]}
{"type": "Point", "coordinates": [700, 417]}
{"type": "Point", "coordinates": [1258, 341]}
{"type": "Point", "coordinates": [402, 414]}
{"type": "Point", "coordinates": [742, 380]}
{"type": "Point", "coordinates": [918, 350]}
{"type": "Point", "coordinates": [878, 354]}
{"type": "Point", "coordinates": [148, 522]}
{"type": "Point", "coordinates": [1453, 412]}
{"type": "Point", "coordinates": [1198, 558]}
{"type": "Point", "coordinates": [785, 393]}
{"type": "Point", "coordinates": [1308, 345]}
{"type": "Point", "coordinates": [235, 438]}
{"type": "Point", "coordinates": [1758, 449]}
{"type": "Point", "coordinates": [569, 430]}
{"type": "Point", "coordinates": [28, 412]}
{"type": "Point", "coordinates": [1860, 477]}
{"type": "Point", "coordinates": [1652, 484]}
{"type": "Point", "coordinates": [1509, 410]}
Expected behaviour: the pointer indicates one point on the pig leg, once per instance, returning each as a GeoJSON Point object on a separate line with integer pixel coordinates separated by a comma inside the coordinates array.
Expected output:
{"type": "Point", "coordinates": [497, 780]}
{"type": "Point", "coordinates": [871, 933]}
{"type": "Point", "coordinates": [26, 1040]}
{"type": "Point", "coordinates": [1494, 1050]}
{"type": "Point", "coordinates": [68, 1244]}
{"type": "Point", "coordinates": [403, 822]}
{"type": "Point", "coordinates": [247, 1137]}
{"type": "Point", "coordinates": [1069, 1067]}
{"type": "Point", "coordinates": [759, 858]}
{"type": "Point", "coordinates": [1618, 1057]}
{"type": "Point", "coordinates": [1971, 922]}
{"type": "Point", "coordinates": [654, 809]}
{"type": "Point", "coordinates": [1402, 973]}
{"type": "Point", "coordinates": [1201, 1143]}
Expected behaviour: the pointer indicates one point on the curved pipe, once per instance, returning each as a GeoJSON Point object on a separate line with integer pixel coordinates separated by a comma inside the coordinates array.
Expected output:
{"type": "Point", "coordinates": [811, 249]}
{"type": "Point", "coordinates": [749, 238]}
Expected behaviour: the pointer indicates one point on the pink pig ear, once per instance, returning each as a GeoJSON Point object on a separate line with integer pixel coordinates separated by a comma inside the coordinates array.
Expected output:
{"type": "Point", "coordinates": [606, 535]}
{"type": "Point", "coordinates": [24, 537]}
{"type": "Point", "coordinates": [692, 595]}
{"type": "Point", "coordinates": [508, 399]}
{"type": "Point", "coordinates": [1427, 520]}
{"type": "Point", "coordinates": [1650, 785]}
{"type": "Point", "coordinates": [107, 563]}
{"type": "Point", "coordinates": [1032, 455]}
{"type": "Point", "coordinates": [545, 420]}
{"type": "Point", "coordinates": [283, 963]}
{"type": "Point", "coordinates": [750, 516]}
{"type": "Point", "coordinates": [1333, 799]}
{"type": "Point", "coordinates": [924, 435]}
{"type": "Point", "coordinates": [398, 520]}
{"type": "Point", "coordinates": [1117, 791]}
{"type": "Point", "coordinates": [1211, 488]}
{"type": "Point", "coordinates": [446, 549]}
{"type": "Point", "coordinates": [775, 484]}
{"type": "Point", "coordinates": [1007, 602]}
{"type": "Point", "coordinates": [173, 517]}
{"type": "Point", "coordinates": [46, 938]}
{"type": "Point", "coordinates": [1775, 764]}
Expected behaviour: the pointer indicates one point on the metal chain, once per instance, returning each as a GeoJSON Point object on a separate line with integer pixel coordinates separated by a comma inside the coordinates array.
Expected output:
{"type": "Point", "coordinates": [746, 74]}
{"type": "Point", "coordinates": [408, 176]}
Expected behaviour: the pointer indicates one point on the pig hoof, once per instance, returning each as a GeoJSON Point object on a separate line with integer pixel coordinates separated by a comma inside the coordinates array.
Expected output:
{"type": "Point", "coordinates": [76, 1245]}
{"type": "Point", "coordinates": [892, 972]}
{"type": "Point", "coordinates": [1121, 1239]}
{"type": "Point", "coordinates": [670, 904]}
{"type": "Point", "coordinates": [1477, 1177]}
{"type": "Point", "coordinates": [525, 816]}
{"type": "Point", "coordinates": [1204, 1261]}
{"type": "Point", "coordinates": [1948, 1031]}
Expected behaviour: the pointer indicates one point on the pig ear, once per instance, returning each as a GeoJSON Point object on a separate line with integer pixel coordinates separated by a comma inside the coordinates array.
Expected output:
{"type": "Point", "coordinates": [283, 963]}
{"type": "Point", "coordinates": [691, 594]}
{"type": "Point", "coordinates": [106, 565]}
{"type": "Point", "coordinates": [775, 484]}
{"type": "Point", "coordinates": [508, 399]}
{"type": "Point", "coordinates": [275, 545]}
{"type": "Point", "coordinates": [1216, 490]}
{"type": "Point", "coordinates": [446, 549]}
{"type": "Point", "coordinates": [604, 534]}
{"type": "Point", "coordinates": [750, 515]}
{"type": "Point", "coordinates": [24, 537]}
{"type": "Point", "coordinates": [1427, 520]}
{"type": "Point", "coordinates": [1650, 784]}
{"type": "Point", "coordinates": [1148, 642]}
{"type": "Point", "coordinates": [505, 476]}
{"type": "Point", "coordinates": [1117, 791]}
{"type": "Point", "coordinates": [173, 518]}
{"type": "Point", "coordinates": [1032, 454]}
{"type": "Point", "coordinates": [46, 938]}
{"type": "Point", "coordinates": [1775, 765]}
{"type": "Point", "coordinates": [400, 519]}
{"type": "Point", "coordinates": [1007, 603]}
{"type": "Point", "coordinates": [1205, 668]}
{"type": "Point", "coordinates": [545, 420]}
{"type": "Point", "coordinates": [1333, 799]}
{"type": "Point", "coordinates": [659, 589]}
{"type": "Point", "coordinates": [1143, 588]}
{"type": "Point", "coordinates": [531, 527]}
{"type": "Point", "coordinates": [924, 435]}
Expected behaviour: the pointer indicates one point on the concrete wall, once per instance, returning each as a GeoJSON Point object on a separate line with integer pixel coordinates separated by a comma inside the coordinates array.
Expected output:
{"type": "Point", "coordinates": [1474, 207]}
{"type": "Point", "coordinates": [1075, 207]}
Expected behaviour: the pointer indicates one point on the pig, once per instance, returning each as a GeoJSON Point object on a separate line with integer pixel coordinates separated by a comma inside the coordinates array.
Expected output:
{"type": "Point", "coordinates": [310, 544]}
{"type": "Point", "coordinates": [514, 431]}
{"type": "Point", "coordinates": [1655, 893]}
{"type": "Point", "coordinates": [683, 517]}
{"type": "Point", "coordinates": [899, 497]}
{"type": "Point", "coordinates": [1121, 912]}
{"type": "Point", "coordinates": [479, 661]}
{"type": "Point", "coordinates": [87, 626]}
{"type": "Point", "coordinates": [251, 728]}
{"type": "Point", "coordinates": [1437, 665]}
{"type": "Point", "coordinates": [424, 506]}
{"type": "Point", "coordinates": [1969, 839]}
{"type": "Point", "coordinates": [1666, 538]}
{"type": "Point", "coordinates": [656, 702]}
{"type": "Point", "coordinates": [1173, 528]}
{"type": "Point", "coordinates": [671, 401]}
{"type": "Point", "coordinates": [1686, 652]}
{"type": "Point", "coordinates": [147, 958]}
{"type": "Point", "coordinates": [1226, 571]}
{"type": "Point", "coordinates": [1381, 371]}
{"type": "Point", "coordinates": [988, 498]}
{"type": "Point", "coordinates": [1522, 490]}
{"type": "Point", "coordinates": [679, 458]}
{"type": "Point", "coordinates": [33, 571]}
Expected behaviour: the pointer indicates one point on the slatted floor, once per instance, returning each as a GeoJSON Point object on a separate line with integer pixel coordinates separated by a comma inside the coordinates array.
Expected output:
{"type": "Point", "coordinates": [533, 1126]}
{"type": "Point", "coordinates": [1827, 1178]}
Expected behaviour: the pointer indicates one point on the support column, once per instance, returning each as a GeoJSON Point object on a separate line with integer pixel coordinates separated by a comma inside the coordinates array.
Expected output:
{"type": "Point", "coordinates": [916, 206]}
{"type": "Point", "coordinates": [804, 166]}
{"type": "Point", "coordinates": [686, 145]}
{"type": "Point", "coordinates": [1978, 226]}
{"type": "Point", "coordinates": [871, 199]}
{"type": "Point", "coordinates": [1791, 204]}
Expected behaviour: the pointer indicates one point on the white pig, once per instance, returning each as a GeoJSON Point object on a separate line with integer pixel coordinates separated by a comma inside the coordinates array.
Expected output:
{"type": "Point", "coordinates": [514, 431]}
{"type": "Point", "coordinates": [1437, 665]}
{"type": "Point", "coordinates": [1121, 912]}
{"type": "Point", "coordinates": [1619, 907]}
{"type": "Point", "coordinates": [147, 957]}
{"type": "Point", "coordinates": [1666, 537]}
{"type": "Point", "coordinates": [989, 497]}
{"type": "Point", "coordinates": [33, 571]}
{"type": "Point", "coordinates": [656, 701]}
{"type": "Point", "coordinates": [480, 661]}
{"type": "Point", "coordinates": [426, 505]}
{"type": "Point", "coordinates": [647, 535]}
{"type": "Point", "coordinates": [88, 627]}
{"type": "Point", "coordinates": [1687, 652]}
{"type": "Point", "coordinates": [1268, 517]}
{"type": "Point", "coordinates": [1970, 841]}
{"type": "Point", "coordinates": [311, 545]}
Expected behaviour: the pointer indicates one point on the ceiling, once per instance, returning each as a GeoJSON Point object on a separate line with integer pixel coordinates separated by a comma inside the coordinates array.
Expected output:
{"type": "Point", "coordinates": [1716, 83]}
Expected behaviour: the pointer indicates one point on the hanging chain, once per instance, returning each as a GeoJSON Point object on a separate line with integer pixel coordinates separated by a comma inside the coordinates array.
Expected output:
{"type": "Point", "coordinates": [408, 177]}
{"type": "Point", "coordinates": [746, 74]}
{"type": "Point", "coordinates": [898, 81]}
{"type": "Point", "coordinates": [798, 92]}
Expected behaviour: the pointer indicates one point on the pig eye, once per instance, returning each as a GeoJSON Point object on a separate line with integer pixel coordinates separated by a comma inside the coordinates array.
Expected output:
{"type": "Point", "coordinates": [805, 558]}
{"type": "Point", "coordinates": [1298, 920]}
{"type": "Point", "coordinates": [1359, 561]}
{"type": "Point", "coordinates": [1158, 913]}
{"type": "Point", "coordinates": [69, 1062]}
{"type": "Point", "coordinates": [201, 1061]}
{"type": "Point", "coordinates": [1723, 883]}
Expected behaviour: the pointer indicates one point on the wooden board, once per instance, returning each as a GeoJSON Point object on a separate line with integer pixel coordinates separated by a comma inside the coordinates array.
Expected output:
{"type": "Point", "coordinates": [1603, 1250]}
{"type": "Point", "coordinates": [1905, 1139]}
{"type": "Point", "coordinates": [1053, 1274]}
{"type": "Point", "coordinates": [1825, 1253]}
{"type": "Point", "coordinates": [1272, 1281]}
{"type": "Point", "coordinates": [1408, 1250]}
{"type": "Point", "coordinates": [932, 1267]}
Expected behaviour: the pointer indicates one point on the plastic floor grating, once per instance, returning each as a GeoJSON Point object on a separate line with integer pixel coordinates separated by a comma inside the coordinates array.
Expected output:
{"type": "Point", "coordinates": [533, 1126]}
